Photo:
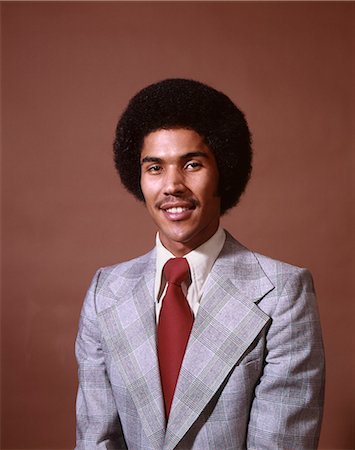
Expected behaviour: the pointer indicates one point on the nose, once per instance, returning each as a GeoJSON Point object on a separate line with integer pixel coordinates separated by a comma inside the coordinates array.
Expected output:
{"type": "Point", "coordinates": [174, 182]}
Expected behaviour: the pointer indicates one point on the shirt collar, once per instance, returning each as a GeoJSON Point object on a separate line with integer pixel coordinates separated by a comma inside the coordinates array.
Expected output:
{"type": "Point", "coordinates": [200, 261]}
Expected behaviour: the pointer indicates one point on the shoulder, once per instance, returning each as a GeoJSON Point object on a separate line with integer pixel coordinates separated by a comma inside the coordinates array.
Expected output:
{"type": "Point", "coordinates": [133, 268]}
{"type": "Point", "coordinates": [116, 281]}
{"type": "Point", "coordinates": [279, 273]}
{"type": "Point", "coordinates": [284, 291]}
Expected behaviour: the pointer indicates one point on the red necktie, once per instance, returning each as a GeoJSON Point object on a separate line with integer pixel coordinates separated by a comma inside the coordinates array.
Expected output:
{"type": "Point", "coordinates": [174, 327]}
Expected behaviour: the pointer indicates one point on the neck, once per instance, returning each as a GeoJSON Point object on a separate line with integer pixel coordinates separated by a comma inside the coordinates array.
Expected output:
{"type": "Point", "coordinates": [182, 248]}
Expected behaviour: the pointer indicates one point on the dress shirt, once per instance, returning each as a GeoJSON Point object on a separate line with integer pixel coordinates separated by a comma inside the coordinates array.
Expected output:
{"type": "Point", "coordinates": [200, 261]}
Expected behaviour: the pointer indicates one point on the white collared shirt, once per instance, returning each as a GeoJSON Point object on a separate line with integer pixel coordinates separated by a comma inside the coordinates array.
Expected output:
{"type": "Point", "coordinates": [200, 260]}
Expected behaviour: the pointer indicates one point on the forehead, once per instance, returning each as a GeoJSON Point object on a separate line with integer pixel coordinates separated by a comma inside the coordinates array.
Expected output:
{"type": "Point", "coordinates": [173, 142]}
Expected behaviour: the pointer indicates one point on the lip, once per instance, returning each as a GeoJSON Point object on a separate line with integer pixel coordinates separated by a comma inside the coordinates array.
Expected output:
{"type": "Point", "coordinates": [175, 211]}
{"type": "Point", "coordinates": [177, 204]}
{"type": "Point", "coordinates": [180, 214]}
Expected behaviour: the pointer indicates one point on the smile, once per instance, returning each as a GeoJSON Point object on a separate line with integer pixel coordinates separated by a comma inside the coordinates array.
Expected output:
{"type": "Point", "coordinates": [176, 210]}
{"type": "Point", "coordinates": [178, 213]}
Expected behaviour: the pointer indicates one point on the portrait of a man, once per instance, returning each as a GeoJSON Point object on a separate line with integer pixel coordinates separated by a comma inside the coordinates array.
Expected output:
{"type": "Point", "coordinates": [200, 343]}
{"type": "Point", "coordinates": [176, 228]}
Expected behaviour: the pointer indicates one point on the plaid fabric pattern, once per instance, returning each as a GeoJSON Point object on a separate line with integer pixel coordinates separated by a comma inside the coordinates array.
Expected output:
{"type": "Point", "coordinates": [251, 378]}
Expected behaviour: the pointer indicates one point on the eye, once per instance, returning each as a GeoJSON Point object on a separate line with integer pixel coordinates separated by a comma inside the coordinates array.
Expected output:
{"type": "Point", "coordinates": [154, 169]}
{"type": "Point", "coordinates": [193, 165]}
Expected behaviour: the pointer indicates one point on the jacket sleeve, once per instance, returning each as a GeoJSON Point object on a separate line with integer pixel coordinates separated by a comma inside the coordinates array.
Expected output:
{"type": "Point", "coordinates": [286, 412]}
{"type": "Point", "coordinates": [98, 424]}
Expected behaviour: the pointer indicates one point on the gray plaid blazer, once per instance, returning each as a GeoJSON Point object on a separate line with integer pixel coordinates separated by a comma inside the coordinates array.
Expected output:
{"type": "Point", "coordinates": [252, 375]}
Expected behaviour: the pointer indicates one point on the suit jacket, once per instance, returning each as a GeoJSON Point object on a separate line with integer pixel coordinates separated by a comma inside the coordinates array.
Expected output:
{"type": "Point", "coordinates": [252, 375]}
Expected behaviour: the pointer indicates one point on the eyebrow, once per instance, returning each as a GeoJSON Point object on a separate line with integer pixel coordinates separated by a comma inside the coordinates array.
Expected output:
{"type": "Point", "coordinates": [189, 155]}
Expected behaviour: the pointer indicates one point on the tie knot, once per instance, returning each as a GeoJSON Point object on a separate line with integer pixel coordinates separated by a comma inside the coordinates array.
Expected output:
{"type": "Point", "coordinates": [176, 270]}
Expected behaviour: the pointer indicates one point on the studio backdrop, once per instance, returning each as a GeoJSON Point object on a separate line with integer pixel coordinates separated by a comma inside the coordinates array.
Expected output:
{"type": "Point", "coordinates": [68, 70]}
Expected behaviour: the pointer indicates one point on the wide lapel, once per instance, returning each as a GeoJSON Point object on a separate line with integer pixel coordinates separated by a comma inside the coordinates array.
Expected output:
{"type": "Point", "coordinates": [129, 328]}
{"type": "Point", "coordinates": [227, 323]}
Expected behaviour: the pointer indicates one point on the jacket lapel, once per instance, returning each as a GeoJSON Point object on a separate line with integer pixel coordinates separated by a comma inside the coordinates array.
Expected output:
{"type": "Point", "coordinates": [129, 328]}
{"type": "Point", "coordinates": [227, 323]}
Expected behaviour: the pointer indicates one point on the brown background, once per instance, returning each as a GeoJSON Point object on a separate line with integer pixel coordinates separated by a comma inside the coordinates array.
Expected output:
{"type": "Point", "coordinates": [68, 70]}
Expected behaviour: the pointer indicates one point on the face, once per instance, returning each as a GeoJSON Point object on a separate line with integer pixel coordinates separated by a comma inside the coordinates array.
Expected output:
{"type": "Point", "coordinates": [179, 181]}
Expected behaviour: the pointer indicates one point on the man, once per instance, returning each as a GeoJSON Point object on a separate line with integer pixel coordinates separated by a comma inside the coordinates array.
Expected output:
{"type": "Point", "coordinates": [201, 343]}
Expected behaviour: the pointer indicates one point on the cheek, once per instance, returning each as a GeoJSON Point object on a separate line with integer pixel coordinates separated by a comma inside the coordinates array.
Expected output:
{"type": "Point", "coordinates": [147, 189]}
{"type": "Point", "coordinates": [211, 200]}
{"type": "Point", "coordinates": [209, 190]}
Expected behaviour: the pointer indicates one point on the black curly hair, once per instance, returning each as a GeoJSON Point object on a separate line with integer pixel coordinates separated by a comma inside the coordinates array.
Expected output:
{"type": "Point", "coordinates": [183, 103]}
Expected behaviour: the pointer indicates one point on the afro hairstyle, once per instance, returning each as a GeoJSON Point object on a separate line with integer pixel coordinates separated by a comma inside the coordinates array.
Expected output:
{"type": "Point", "coordinates": [183, 103]}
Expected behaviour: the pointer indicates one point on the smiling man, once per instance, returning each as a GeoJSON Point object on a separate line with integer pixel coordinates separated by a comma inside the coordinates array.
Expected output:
{"type": "Point", "coordinates": [179, 182]}
{"type": "Point", "coordinates": [201, 343]}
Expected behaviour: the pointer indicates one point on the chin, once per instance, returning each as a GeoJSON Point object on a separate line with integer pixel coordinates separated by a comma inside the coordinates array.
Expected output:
{"type": "Point", "coordinates": [181, 236]}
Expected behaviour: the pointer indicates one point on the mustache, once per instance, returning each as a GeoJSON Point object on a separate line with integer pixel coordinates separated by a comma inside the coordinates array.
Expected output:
{"type": "Point", "coordinates": [171, 200]}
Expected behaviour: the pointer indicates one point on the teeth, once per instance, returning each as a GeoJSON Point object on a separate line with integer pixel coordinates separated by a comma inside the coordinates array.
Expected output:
{"type": "Point", "coordinates": [176, 210]}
